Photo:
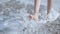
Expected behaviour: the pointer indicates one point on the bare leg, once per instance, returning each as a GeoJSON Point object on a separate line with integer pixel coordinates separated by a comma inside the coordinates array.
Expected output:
{"type": "Point", "coordinates": [49, 7]}
{"type": "Point", "coordinates": [36, 9]}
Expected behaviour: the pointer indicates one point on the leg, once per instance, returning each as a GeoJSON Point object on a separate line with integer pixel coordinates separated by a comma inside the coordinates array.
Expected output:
{"type": "Point", "coordinates": [49, 7]}
{"type": "Point", "coordinates": [36, 9]}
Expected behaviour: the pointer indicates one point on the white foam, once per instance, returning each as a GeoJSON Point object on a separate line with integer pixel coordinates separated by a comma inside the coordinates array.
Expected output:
{"type": "Point", "coordinates": [53, 15]}
{"type": "Point", "coordinates": [19, 21]}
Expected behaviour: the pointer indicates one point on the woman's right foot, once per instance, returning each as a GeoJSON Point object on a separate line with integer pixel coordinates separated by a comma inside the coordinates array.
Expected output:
{"type": "Point", "coordinates": [35, 17]}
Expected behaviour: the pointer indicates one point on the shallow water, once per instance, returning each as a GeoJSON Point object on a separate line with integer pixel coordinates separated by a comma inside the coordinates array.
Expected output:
{"type": "Point", "coordinates": [13, 21]}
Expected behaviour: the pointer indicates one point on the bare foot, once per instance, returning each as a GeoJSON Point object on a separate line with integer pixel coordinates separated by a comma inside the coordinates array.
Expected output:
{"type": "Point", "coordinates": [48, 15]}
{"type": "Point", "coordinates": [35, 17]}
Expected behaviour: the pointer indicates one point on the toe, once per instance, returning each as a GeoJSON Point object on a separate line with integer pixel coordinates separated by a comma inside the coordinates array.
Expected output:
{"type": "Point", "coordinates": [30, 16]}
